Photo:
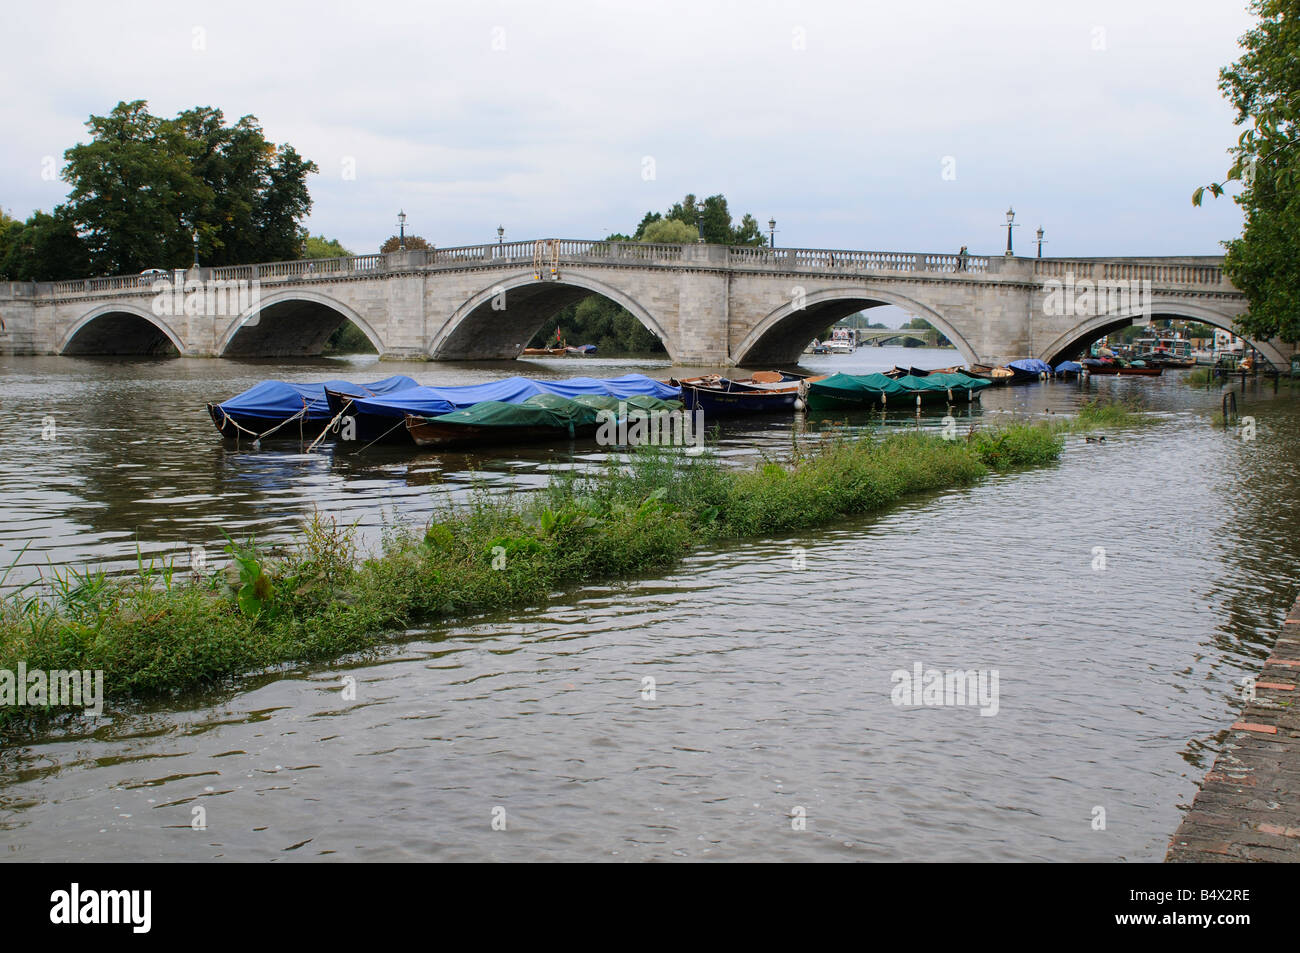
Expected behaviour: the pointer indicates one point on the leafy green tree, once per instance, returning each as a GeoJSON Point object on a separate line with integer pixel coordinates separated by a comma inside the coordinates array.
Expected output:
{"type": "Point", "coordinates": [669, 230]}
{"type": "Point", "coordinates": [44, 248]}
{"type": "Point", "coordinates": [318, 246]}
{"type": "Point", "coordinates": [143, 186]}
{"type": "Point", "coordinates": [1264, 88]}
{"type": "Point", "coordinates": [718, 228]}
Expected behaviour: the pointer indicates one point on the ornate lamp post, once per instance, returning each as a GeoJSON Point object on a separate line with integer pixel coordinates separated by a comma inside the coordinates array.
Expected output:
{"type": "Point", "coordinates": [196, 248]}
{"type": "Point", "coordinates": [1011, 223]}
{"type": "Point", "coordinates": [1040, 241]}
{"type": "Point", "coordinates": [501, 235]}
{"type": "Point", "coordinates": [401, 230]}
{"type": "Point", "coordinates": [771, 227]}
{"type": "Point", "coordinates": [699, 220]}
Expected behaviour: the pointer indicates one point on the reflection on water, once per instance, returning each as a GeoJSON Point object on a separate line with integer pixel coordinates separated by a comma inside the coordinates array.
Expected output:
{"type": "Point", "coordinates": [772, 686]}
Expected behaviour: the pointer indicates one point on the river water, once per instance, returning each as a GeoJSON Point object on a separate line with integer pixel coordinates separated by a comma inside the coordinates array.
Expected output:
{"type": "Point", "coordinates": [770, 731]}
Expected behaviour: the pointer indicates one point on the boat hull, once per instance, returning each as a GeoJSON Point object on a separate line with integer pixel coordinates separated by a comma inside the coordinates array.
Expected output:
{"type": "Point", "coordinates": [430, 433]}
{"type": "Point", "coordinates": [818, 400]}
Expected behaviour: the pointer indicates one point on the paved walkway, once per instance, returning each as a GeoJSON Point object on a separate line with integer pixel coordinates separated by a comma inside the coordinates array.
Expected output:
{"type": "Point", "coordinates": [1248, 809]}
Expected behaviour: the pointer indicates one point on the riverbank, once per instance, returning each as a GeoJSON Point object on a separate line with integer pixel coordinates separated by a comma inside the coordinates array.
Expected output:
{"type": "Point", "coordinates": [154, 632]}
{"type": "Point", "coordinates": [1248, 808]}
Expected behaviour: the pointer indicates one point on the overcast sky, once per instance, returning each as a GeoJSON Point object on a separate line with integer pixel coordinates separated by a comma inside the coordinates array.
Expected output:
{"type": "Point", "coordinates": [572, 119]}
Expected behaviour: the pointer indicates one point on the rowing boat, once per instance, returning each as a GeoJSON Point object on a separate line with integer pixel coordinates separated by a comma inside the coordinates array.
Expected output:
{"type": "Point", "coordinates": [764, 392]}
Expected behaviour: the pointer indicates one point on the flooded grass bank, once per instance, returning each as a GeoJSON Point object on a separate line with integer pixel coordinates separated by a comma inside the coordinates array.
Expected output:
{"type": "Point", "coordinates": [153, 633]}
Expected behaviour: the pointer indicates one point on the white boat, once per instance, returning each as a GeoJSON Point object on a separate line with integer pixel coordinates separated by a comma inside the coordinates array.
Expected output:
{"type": "Point", "coordinates": [841, 341]}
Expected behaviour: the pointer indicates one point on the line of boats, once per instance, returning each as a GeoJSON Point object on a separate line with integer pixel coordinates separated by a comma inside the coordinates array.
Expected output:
{"type": "Point", "coordinates": [400, 410]}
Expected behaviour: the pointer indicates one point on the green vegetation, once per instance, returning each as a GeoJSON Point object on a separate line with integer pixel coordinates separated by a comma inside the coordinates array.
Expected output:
{"type": "Point", "coordinates": [1096, 414]}
{"type": "Point", "coordinates": [348, 339]}
{"type": "Point", "coordinates": [318, 246]}
{"type": "Point", "coordinates": [599, 321]}
{"type": "Point", "coordinates": [1198, 377]}
{"type": "Point", "coordinates": [153, 633]}
{"type": "Point", "coordinates": [143, 185]}
{"type": "Point", "coordinates": [1264, 88]}
{"type": "Point", "coordinates": [669, 231]}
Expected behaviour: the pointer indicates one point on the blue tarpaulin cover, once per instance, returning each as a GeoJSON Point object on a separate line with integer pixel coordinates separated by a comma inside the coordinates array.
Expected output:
{"type": "Point", "coordinates": [1032, 365]}
{"type": "Point", "coordinates": [1069, 367]}
{"type": "Point", "coordinates": [279, 400]}
{"type": "Point", "coordinates": [435, 401]}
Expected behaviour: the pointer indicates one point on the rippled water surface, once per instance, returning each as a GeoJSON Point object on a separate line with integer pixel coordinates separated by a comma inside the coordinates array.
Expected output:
{"type": "Point", "coordinates": [771, 685]}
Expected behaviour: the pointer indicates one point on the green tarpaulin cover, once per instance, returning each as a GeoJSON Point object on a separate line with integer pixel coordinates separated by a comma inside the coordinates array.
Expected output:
{"type": "Point", "coordinates": [551, 410]}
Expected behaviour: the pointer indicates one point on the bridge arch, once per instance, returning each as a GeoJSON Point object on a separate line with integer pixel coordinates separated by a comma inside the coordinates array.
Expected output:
{"type": "Point", "coordinates": [291, 323]}
{"type": "Point", "coordinates": [120, 329]}
{"type": "Point", "coordinates": [1066, 346]}
{"type": "Point", "coordinates": [478, 331]}
{"type": "Point", "coordinates": [781, 336]}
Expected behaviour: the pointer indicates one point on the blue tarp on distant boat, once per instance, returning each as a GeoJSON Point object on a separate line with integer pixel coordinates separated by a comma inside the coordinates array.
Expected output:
{"type": "Point", "coordinates": [1069, 367]}
{"type": "Point", "coordinates": [1031, 365]}
{"type": "Point", "coordinates": [280, 400]}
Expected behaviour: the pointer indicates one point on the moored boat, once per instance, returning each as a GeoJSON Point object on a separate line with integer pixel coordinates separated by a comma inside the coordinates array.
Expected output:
{"type": "Point", "coordinates": [844, 391]}
{"type": "Point", "coordinates": [1028, 370]}
{"type": "Point", "coordinates": [764, 392]}
{"type": "Point", "coordinates": [996, 376]}
{"type": "Point", "coordinates": [384, 418]}
{"type": "Point", "coordinates": [288, 410]}
{"type": "Point", "coordinates": [541, 417]}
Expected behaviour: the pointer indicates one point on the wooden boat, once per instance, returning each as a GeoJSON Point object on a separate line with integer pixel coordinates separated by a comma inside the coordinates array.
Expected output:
{"type": "Point", "coordinates": [997, 376]}
{"type": "Point", "coordinates": [764, 392]}
{"type": "Point", "coordinates": [545, 351]}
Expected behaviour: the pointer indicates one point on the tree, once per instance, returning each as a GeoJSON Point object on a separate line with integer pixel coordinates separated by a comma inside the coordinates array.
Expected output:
{"type": "Point", "coordinates": [669, 230]}
{"type": "Point", "coordinates": [318, 246]}
{"type": "Point", "coordinates": [394, 243]}
{"type": "Point", "coordinates": [44, 248]}
{"type": "Point", "coordinates": [144, 185]}
{"type": "Point", "coordinates": [718, 229]}
{"type": "Point", "coordinates": [1264, 88]}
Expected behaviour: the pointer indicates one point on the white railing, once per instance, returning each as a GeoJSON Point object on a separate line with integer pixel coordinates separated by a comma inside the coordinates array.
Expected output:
{"type": "Point", "coordinates": [1158, 273]}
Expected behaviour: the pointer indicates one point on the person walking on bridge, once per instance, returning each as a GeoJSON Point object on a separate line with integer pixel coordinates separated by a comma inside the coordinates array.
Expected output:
{"type": "Point", "coordinates": [961, 259]}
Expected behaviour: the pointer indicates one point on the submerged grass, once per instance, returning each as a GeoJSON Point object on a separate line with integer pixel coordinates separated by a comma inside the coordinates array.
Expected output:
{"type": "Point", "coordinates": [154, 633]}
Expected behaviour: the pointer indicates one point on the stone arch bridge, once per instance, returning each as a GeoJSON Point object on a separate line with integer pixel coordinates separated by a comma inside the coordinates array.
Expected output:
{"type": "Point", "coordinates": [710, 305]}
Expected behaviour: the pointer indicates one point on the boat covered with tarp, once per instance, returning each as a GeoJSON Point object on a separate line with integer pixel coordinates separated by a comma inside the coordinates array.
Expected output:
{"type": "Point", "coordinates": [880, 390]}
{"type": "Point", "coordinates": [1028, 370]}
{"type": "Point", "coordinates": [1068, 368]}
{"type": "Point", "coordinates": [540, 417]}
{"type": "Point", "coordinates": [383, 417]}
{"type": "Point", "coordinates": [287, 409]}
